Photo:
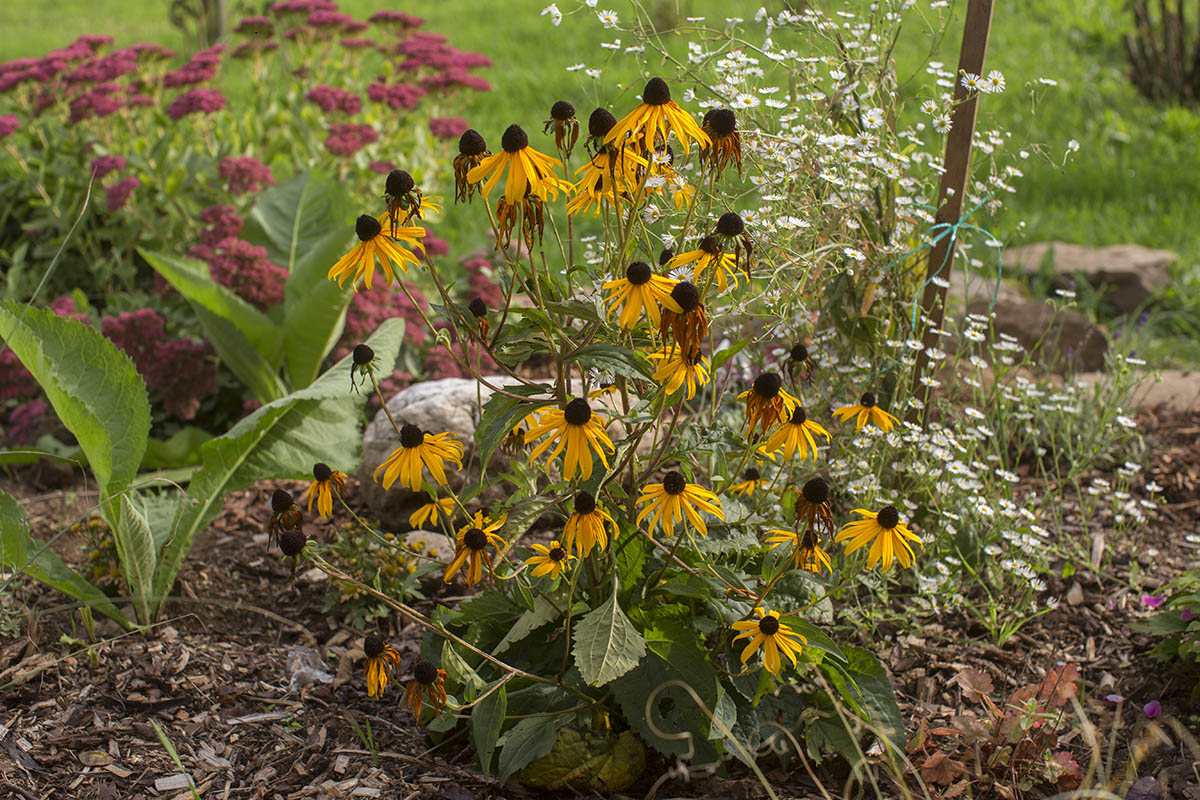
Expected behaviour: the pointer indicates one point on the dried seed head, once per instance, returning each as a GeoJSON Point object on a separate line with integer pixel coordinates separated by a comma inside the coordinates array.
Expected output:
{"type": "Point", "coordinates": [710, 245]}
{"type": "Point", "coordinates": [425, 672]}
{"type": "Point", "coordinates": [367, 227]}
{"type": "Point", "coordinates": [600, 123]}
{"type": "Point", "coordinates": [674, 482]}
{"type": "Point", "coordinates": [577, 412]}
{"type": "Point", "coordinates": [867, 400]}
{"type": "Point", "coordinates": [730, 224]}
{"type": "Point", "coordinates": [514, 139]}
{"type": "Point", "coordinates": [799, 352]}
{"type": "Point", "coordinates": [373, 646]}
{"type": "Point", "coordinates": [585, 503]}
{"type": "Point", "coordinates": [767, 385]}
{"type": "Point", "coordinates": [656, 93]}
{"type": "Point", "coordinates": [752, 474]}
{"type": "Point", "coordinates": [665, 256]}
{"type": "Point", "coordinates": [411, 436]}
{"type": "Point", "coordinates": [399, 183]}
{"type": "Point", "coordinates": [322, 472]}
{"type": "Point", "coordinates": [363, 355]}
{"type": "Point", "coordinates": [809, 542]}
{"type": "Point", "coordinates": [562, 111]}
{"type": "Point", "coordinates": [721, 121]}
{"type": "Point", "coordinates": [475, 539]}
{"type": "Point", "coordinates": [471, 143]}
{"type": "Point", "coordinates": [292, 542]}
{"type": "Point", "coordinates": [686, 295]}
{"type": "Point", "coordinates": [638, 273]}
{"type": "Point", "coordinates": [769, 625]}
{"type": "Point", "coordinates": [816, 491]}
{"type": "Point", "coordinates": [477, 307]}
{"type": "Point", "coordinates": [281, 500]}
{"type": "Point", "coordinates": [888, 518]}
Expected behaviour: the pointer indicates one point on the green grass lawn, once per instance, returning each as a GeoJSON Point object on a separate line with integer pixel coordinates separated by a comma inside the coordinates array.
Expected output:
{"type": "Point", "coordinates": [1131, 181]}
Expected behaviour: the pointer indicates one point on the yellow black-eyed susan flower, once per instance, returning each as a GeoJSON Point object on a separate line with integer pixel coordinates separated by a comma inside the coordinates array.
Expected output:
{"type": "Point", "coordinates": [372, 244]}
{"type": "Point", "coordinates": [428, 684]}
{"type": "Point", "coordinates": [675, 501]}
{"type": "Point", "coordinates": [796, 435]}
{"type": "Point", "coordinates": [768, 632]}
{"type": "Point", "coordinates": [751, 482]}
{"type": "Point", "coordinates": [576, 429]}
{"type": "Point", "coordinates": [663, 178]}
{"type": "Point", "coordinates": [381, 658]}
{"type": "Point", "coordinates": [550, 560]}
{"type": "Point", "coordinates": [887, 534]}
{"type": "Point", "coordinates": [657, 115]}
{"type": "Point", "coordinates": [285, 515]}
{"type": "Point", "coordinates": [418, 449]}
{"type": "Point", "coordinates": [404, 201]}
{"type": "Point", "coordinates": [677, 368]}
{"type": "Point", "coordinates": [813, 506]}
{"type": "Point", "coordinates": [473, 540]}
{"type": "Point", "coordinates": [326, 481]}
{"type": "Point", "coordinates": [566, 127]}
{"type": "Point", "coordinates": [767, 402]}
{"type": "Point", "coordinates": [806, 549]}
{"type": "Point", "coordinates": [799, 360]}
{"type": "Point", "coordinates": [687, 327]}
{"type": "Point", "coordinates": [865, 411]}
{"type": "Point", "coordinates": [529, 172]}
{"type": "Point", "coordinates": [585, 528]}
{"type": "Point", "coordinates": [708, 254]}
{"type": "Point", "coordinates": [731, 233]}
{"type": "Point", "coordinates": [640, 290]}
{"type": "Point", "coordinates": [431, 511]}
{"type": "Point", "coordinates": [472, 149]}
{"type": "Point", "coordinates": [607, 177]}
{"type": "Point", "coordinates": [721, 126]}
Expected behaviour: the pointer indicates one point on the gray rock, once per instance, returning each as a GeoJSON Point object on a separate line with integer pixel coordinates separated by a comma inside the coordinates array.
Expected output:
{"type": "Point", "coordinates": [1178, 389]}
{"type": "Point", "coordinates": [1060, 340]}
{"type": "Point", "coordinates": [1129, 274]}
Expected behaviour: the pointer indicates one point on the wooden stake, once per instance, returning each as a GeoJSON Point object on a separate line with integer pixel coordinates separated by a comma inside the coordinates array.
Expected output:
{"type": "Point", "coordinates": [953, 186]}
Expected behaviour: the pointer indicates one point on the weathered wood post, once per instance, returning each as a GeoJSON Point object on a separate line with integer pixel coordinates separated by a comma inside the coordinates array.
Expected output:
{"type": "Point", "coordinates": [953, 186]}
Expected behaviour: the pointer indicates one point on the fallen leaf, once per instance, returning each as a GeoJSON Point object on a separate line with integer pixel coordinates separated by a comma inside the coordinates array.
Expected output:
{"type": "Point", "coordinates": [95, 758]}
{"type": "Point", "coordinates": [975, 684]}
{"type": "Point", "coordinates": [940, 769]}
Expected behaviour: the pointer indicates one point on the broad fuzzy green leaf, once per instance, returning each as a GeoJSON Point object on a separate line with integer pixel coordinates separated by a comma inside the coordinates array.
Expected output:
{"type": "Point", "coordinates": [487, 718]}
{"type": "Point", "coordinates": [607, 645]}
{"type": "Point", "coordinates": [281, 439]}
{"type": "Point", "coordinates": [135, 548]}
{"type": "Point", "coordinates": [93, 386]}
{"type": "Point", "coordinates": [20, 552]}
{"type": "Point", "coordinates": [528, 740]}
{"type": "Point", "coordinates": [877, 695]}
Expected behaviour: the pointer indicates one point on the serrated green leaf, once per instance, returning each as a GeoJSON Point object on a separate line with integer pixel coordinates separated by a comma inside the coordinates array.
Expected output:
{"type": "Point", "coordinates": [607, 645]}
{"type": "Point", "coordinates": [487, 718]}
{"type": "Point", "coordinates": [528, 740]}
{"type": "Point", "coordinates": [283, 438]}
{"type": "Point", "coordinates": [501, 414]}
{"type": "Point", "coordinates": [878, 696]}
{"type": "Point", "coordinates": [614, 359]}
{"type": "Point", "coordinates": [543, 612]}
{"type": "Point", "coordinates": [135, 548]}
{"type": "Point", "coordinates": [19, 551]}
{"type": "Point", "coordinates": [93, 387]}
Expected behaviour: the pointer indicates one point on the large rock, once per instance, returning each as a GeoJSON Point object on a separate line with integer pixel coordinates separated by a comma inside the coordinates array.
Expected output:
{"type": "Point", "coordinates": [1128, 274]}
{"type": "Point", "coordinates": [1060, 340]}
{"type": "Point", "coordinates": [1178, 390]}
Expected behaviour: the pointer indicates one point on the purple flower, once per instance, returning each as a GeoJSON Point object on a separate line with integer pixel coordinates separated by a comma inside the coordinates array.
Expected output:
{"type": "Point", "coordinates": [189, 75]}
{"type": "Point", "coordinates": [303, 6]}
{"type": "Point", "coordinates": [196, 101]}
{"type": "Point", "coordinates": [381, 167]}
{"type": "Point", "coordinates": [22, 422]}
{"type": "Point", "coordinates": [118, 193]}
{"type": "Point", "coordinates": [1152, 601]}
{"type": "Point", "coordinates": [246, 174]}
{"type": "Point", "coordinates": [246, 270]}
{"type": "Point", "coordinates": [224, 223]}
{"type": "Point", "coordinates": [398, 95]}
{"type": "Point", "coordinates": [448, 127]}
{"type": "Point", "coordinates": [455, 77]}
{"type": "Point", "coordinates": [346, 140]}
{"type": "Point", "coordinates": [103, 166]}
{"type": "Point", "coordinates": [399, 19]}
{"type": "Point", "coordinates": [1187, 615]}
{"type": "Point", "coordinates": [332, 99]}
{"type": "Point", "coordinates": [333, 19]}
{"type": "Point", "coordinates": [1114, 698]}
{"type": "Point", "coordinates": [360, 44]}
{"type": "Point", "coordinates": [98, 102]}
{"type": "Point", "coordinates": [95, 41]}
{"type": "Point", "coordinates": [261, 27]}
{"type": "Point", "coordinates": [8, 125]}
{"type": "Point", "coordinates": [1152, 709]}
{"type": "Point", "coordinates": [152, 52]}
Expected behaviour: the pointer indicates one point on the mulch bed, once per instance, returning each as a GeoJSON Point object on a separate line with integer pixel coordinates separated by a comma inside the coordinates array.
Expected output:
{"type": "Point", "coordinates": [215, 676]}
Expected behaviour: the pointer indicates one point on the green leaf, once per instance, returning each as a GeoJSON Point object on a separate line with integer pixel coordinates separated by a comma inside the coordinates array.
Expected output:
{"type": "Point", "coordinates": [528, 740]}
{"type": "Point", "coordinates": [459, 671]}
{"type": "Point", "coordinates": [281, 439]}
{"type": "Point", "coordinates": [487, 718]}
{"type": "Point", "coordinates": [19, 551]}
{"type": "Point", "coordinates": [721, 356]}
{"type": "Point", "coordinates": [607, 645]}
{"type": "Point", "coordinates": [878, 696]}
{"type": "Point", "coordinates": [181, 450]}
{"type": "Point", "coordinates": [501, 414]}
{"type": "Point", "coordinates": [135, 548]}
{"type": "Point", "coordinates": [93, 386]}
{"type": "Point", "coordinates": [614, 359]}
{"type": "Point", "coordinates": [246, 339]}
{"type": "Point", "coordinates": [543, 612]}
